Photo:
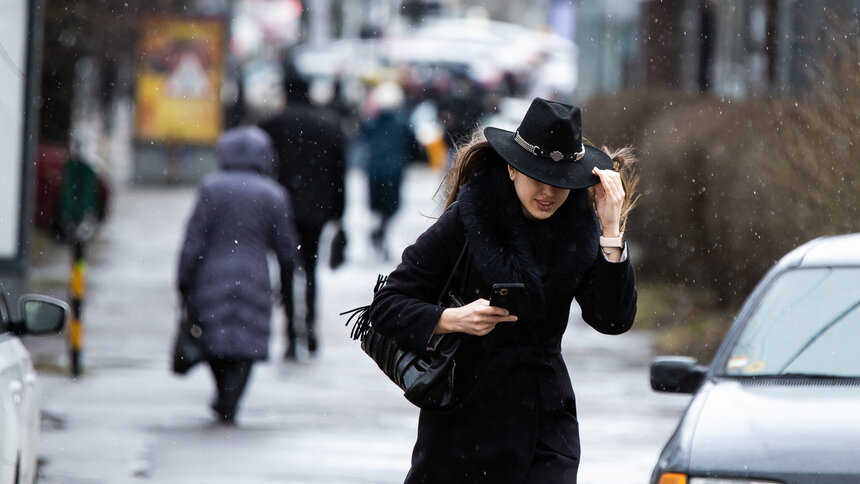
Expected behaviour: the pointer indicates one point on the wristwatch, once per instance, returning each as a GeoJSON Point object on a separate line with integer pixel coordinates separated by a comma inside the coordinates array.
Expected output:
{"type": "Point", "coordinates": [612, 241]}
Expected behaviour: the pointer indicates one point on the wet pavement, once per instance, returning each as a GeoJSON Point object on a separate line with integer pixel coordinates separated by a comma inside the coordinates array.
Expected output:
{"type": "Point", "coordinates": [332, 418]}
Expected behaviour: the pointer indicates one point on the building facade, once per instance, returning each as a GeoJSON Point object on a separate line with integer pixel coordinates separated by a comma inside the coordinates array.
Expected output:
{"type": "Point", "coordinates": [732, 48]}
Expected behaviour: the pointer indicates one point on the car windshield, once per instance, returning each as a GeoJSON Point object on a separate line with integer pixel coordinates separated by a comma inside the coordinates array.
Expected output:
{"type": "Point", "coordinates": [807, 324]}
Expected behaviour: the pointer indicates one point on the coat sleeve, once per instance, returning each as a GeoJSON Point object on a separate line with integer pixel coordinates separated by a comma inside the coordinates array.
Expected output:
{"type": "Point", "coordinates": [283, 236]}
{"type": "Point", "coordinates": [607, 296]}
{"type": "Point", "coordinates": [270, 126]}
{"type": "Point", "coordinates": [417, 152]}
{"type": "Point", "coordinates": [405, 308]}
{"type": "Point", "coordinates": [339, 166]}
{"type": "Point", "coordinates": [194, 244]}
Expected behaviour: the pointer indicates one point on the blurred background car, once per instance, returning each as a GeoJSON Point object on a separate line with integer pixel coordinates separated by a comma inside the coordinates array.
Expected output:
{"type": "Point", "coordinates": [779, 403]}
{"type": "Point", "coordinates": [19, 391]}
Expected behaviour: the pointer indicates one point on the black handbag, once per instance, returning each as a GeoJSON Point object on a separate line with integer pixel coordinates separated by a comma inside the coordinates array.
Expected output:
{"type": "Point", "coordinates": [337, 254]}
{"type": "Point", "coordinates": [426, 378]}
{"type": "Point", "coordinates": [187, 348]}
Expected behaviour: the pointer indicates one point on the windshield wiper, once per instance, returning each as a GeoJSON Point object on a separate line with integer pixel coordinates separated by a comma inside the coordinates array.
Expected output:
{"type": "Point", "coordinates": [818, 334]}
{"type": "Point", "coordinates": [811, 376]}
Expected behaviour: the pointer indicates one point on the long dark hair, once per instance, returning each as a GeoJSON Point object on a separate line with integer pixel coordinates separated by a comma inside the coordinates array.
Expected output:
{"type": "Point", "coordinates": [476, 154]}
{"type": "Point", "coordinates": [471, 157]}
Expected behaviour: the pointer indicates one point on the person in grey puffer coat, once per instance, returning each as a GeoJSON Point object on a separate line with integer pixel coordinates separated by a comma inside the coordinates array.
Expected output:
{"type": "Point", "coordinates": [241, 214]}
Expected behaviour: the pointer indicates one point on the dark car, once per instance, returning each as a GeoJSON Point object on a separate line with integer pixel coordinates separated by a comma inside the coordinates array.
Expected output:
{"type": "Point", "coordinates": [780, 403]}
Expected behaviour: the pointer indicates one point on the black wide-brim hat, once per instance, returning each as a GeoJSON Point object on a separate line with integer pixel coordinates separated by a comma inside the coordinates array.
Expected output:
{"type": "Point", "coordinates": [548, 146]}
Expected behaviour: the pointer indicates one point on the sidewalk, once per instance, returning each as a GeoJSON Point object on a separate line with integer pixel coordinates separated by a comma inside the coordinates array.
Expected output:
{"type": "Point", "coordinates": [333, 418]}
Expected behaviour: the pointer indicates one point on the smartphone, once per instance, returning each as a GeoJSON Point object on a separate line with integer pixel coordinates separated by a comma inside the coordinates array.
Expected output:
{"type": "Point", "coordinates": [508, 295]}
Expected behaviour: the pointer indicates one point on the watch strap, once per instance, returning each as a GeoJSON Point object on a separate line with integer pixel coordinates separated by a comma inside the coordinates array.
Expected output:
{"type": "Point", "coordinates": [612, 241]}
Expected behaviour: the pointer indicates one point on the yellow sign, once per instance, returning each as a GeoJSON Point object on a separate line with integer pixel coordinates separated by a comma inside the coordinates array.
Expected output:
{"type": "Point", "coordinates": [179, 80]}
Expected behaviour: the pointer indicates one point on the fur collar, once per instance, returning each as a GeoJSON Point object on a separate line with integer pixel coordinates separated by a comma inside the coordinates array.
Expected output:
{"type": "Point", "coordinates": [548, 256]}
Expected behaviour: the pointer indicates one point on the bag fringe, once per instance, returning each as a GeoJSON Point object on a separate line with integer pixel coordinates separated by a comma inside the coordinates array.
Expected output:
{"type": "Point", "coordinates": [361, 314]}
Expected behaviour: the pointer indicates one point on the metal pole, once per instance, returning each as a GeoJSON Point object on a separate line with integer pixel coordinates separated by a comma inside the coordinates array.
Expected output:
{"type": "Point", "coordinates": [77, 291]}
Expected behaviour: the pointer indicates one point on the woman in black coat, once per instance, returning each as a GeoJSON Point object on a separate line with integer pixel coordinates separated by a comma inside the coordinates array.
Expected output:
{"type": "Point", "coordinates": [522, 202]}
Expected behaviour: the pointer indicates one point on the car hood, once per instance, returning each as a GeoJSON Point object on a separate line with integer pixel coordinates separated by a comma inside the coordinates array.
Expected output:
{"type": "Point", "coordinates": [781, 427]}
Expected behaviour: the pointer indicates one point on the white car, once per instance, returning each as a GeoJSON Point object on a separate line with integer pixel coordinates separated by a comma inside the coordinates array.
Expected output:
{"type": "Point", "coordinates": [19, 391]}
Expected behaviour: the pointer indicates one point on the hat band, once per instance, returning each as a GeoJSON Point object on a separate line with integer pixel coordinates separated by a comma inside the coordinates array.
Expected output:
{"type": "Point", "coordinates": [553, 155]}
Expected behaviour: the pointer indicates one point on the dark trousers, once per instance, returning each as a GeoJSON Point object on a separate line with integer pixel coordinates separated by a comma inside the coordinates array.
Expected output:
{"type": "Point", "coordinates": [309, 238]}
{"type": "Point", "coordinates": [231, 378]}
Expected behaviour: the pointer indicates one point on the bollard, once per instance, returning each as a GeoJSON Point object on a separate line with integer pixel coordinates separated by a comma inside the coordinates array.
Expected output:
{"type": "Point", "coordinates": [79, 206]}
{"type": "Point", "coordinates": [77, 292]}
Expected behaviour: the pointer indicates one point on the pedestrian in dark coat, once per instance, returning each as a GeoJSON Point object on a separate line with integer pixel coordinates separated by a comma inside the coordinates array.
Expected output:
{"type": "Point", "coordinates": [391, 145]}
{"type": "Point", "coordinates": [311, 147]}
{"type": "Point", "coordinates": [240, 216]}
{"type": "Point", "coordinates": [531, 219]}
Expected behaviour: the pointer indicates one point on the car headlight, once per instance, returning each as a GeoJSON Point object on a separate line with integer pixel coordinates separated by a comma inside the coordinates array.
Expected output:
{"type": "Point", "coordinates": [674, 478]}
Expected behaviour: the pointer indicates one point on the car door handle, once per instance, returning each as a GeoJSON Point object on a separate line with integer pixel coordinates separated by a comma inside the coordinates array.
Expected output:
{"type": "Point", "coordinates": [15, 388]}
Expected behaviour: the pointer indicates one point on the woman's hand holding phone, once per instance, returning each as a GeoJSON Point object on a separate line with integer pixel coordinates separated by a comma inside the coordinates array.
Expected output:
{"type": "Point", "coordinates": [477, 318]}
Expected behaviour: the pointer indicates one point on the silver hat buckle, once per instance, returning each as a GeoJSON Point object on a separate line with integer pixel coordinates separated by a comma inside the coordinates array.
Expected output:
{"type": "Point", "coordinates": [554, 155]}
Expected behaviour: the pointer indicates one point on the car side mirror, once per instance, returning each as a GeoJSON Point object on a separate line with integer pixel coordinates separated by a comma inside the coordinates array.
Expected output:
{"type": "Point", "coordinates": [676, 374]}
{"type": "Point", "coordinates": [41, 314]}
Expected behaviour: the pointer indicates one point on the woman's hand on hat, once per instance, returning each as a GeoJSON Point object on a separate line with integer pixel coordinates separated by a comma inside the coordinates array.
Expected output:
{"type": "Point", "coordinates": [609, 195]}
{"type": "Point", "coordinates": [477, 318]}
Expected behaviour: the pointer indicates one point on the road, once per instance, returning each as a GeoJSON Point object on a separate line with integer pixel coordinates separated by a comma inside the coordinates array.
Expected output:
{"type": "Point", "coordinates": [333, 418]}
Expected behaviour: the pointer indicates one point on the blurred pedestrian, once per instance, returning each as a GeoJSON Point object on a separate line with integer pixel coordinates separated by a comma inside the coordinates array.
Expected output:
{"type": "Point", "coordinates": [311, 148]}
{"type": "Point", "coordinates": [460, 107]}
{"type": "Point", "coordinates": [538, 207]}
{"type": "Point", "coordinates": [391, 144]}
{"type": "Point", "coordinates": [240, 216]}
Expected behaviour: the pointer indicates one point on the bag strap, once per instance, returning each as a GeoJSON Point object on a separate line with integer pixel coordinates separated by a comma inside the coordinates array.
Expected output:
{"type": "Point", "coordinates": [450, 343]}
{"type": "Point", "coordinates": [454, 271]}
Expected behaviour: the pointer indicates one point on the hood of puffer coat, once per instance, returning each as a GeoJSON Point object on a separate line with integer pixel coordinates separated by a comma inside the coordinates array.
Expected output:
{"type": "Point", "coordinates": [246, 148]}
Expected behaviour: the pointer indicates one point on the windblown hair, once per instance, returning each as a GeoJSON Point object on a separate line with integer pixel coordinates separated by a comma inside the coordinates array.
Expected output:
{"type": "Point", "coordinates": [624, 162]}
{"type": "Point", "coordinates": [476, 154]}
{"type": "Point", "coordinates": [472, 156]}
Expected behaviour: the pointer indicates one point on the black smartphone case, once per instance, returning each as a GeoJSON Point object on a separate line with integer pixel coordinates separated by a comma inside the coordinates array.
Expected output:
{"type": "Point", "coordinates": [508, 295]}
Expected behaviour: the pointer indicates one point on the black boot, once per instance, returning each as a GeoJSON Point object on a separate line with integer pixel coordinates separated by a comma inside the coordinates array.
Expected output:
{"type": "Point", "coordinates": [290, 353]}
{"type": "Point", "coordinates": [231, 376]}
{"type": "Point", "coordinates": [377, 238]}
{"type": "Point", "coordinates": [312, 342]}
{"type": "Point", "coordinates": [226, 416]}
